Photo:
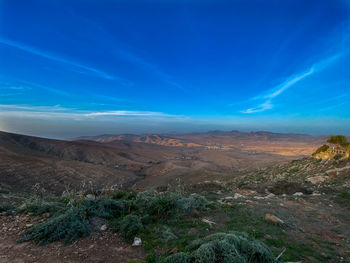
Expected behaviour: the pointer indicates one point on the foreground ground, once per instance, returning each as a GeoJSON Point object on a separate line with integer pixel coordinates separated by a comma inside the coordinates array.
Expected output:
{"type": "Point", "coordinates": [315, 228]}
{"type": "Point", "coordinates": [99, 247]}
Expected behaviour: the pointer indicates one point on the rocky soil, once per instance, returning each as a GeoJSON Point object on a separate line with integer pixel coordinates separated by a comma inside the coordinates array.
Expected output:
{"type": "Point", "coordinates": [100, 246]}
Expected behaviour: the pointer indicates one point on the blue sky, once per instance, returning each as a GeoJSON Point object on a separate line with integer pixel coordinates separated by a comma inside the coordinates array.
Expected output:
{"type": "Point", "coordinates": [70, 68]}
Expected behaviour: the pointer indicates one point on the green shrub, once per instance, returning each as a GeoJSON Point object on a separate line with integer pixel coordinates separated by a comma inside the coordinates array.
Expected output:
{"type": "Point", "coordinates": [165, 234]}
{"type": "Point", "coordinates": [192, 202]}
{"type": "Point", "coordinates": [9, 209]}
{"type": "Point", "coordinates": [178, 258]}
{"type": "Point", "coordinates": [339, 140]}
{"type": "Point", "coordinates": [321, 149]}
{"type": "Point", "coordinates": [39, 207]}
{"type": "Point", "coordinates": [343, 197]}
{"type": "Point", "coordinates": [105, 208]}
{"type": "Point", "coordinates": [124, 195]}
{"type": "Point", "coordinates": [154, 203]}
{"type": "Point", "coordinates": [162, 204]}
{"type": "Point", "coordinates": [68, 226]}
{"type": "Point", "coordinates": [130, 226]}
{"type": "Point", "coordinates": [225, 248]}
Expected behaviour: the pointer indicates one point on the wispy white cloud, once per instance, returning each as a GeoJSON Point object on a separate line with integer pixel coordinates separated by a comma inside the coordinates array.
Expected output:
{"type": "Point", "coordinates": [55, 58]}
{"type": "Point", "coordinates": [16, 107]}
{"type": "Point", "coordinates": [279, 89]}
{"type": "Point", "coordinates": [129, 113]}
{"type": "Point", "coordinates": [267, 105]}
{"type": "Point", "coordinates": [57, 111]}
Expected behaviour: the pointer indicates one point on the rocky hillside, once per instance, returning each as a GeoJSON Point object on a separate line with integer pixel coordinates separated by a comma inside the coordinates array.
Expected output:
{"type": "Point", "coordinates": [337, 148]}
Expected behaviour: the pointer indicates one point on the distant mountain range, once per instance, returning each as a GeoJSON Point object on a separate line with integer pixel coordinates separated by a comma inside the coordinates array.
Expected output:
{"type": "Point", "coordinates": [142, 160]}
{"type": "Point", "coordinates": [207, 139]}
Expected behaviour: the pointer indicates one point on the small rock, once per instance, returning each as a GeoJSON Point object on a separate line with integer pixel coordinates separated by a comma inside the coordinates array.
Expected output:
{"type": "Point", "coordinates": [270, 195]}
{"type": "Point", "coordinates": [29, 225]}
{"type": "Point", "coordinates": [273, 219]}
{"type": "Point", "coordinates": [237, 196]}
{"type": "Point", "coordinates": [90, 196]}
{"type": "Point", "coordinates": [103, 228]}
{"type": "Point", "coordinates": [298, 194]}
{"type": "Point", "coordinates": [137, 242]}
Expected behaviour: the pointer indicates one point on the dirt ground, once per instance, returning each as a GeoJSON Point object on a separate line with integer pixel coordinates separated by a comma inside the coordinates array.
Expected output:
{"type": "Point", "coordinates": [316, 221]}
{"type": "Point", "coordinates": [99, 247]}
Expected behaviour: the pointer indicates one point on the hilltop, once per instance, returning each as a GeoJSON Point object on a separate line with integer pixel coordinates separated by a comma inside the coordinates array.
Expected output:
{"type": "Point", "coordinates": [337, 148]}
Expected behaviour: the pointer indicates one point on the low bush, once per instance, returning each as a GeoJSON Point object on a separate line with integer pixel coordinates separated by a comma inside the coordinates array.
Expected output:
{"type": "Point", "coordinates": [39, 207]}
{"type": "Point", "coordinates": [165, 234]}
{"type": "Point", "coordinates": [105, 208]}
{"type": "Point", "coordinates": [343, 197]}
{"type": "Point", "coordinates": [9, 209]}
{"type": "Point", "coordinates": [192, 202]}
{"type": "Point", "coordinates": [339, 140]}
{"type": "Point", "coordinates": [124, 195]}
{"type": "Point", "coordinates": [225, 248]}
{"type": "Point", "coordinates": [154, 203]}
{"type": "Point", "coordinates": [69, 226]}
{"type": "Point", "coordinates": [130, 226]}
{"type": "Point", "coordinates": [162, 204]}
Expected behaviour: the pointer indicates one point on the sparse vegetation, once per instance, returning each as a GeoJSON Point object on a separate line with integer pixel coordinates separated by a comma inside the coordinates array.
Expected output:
{"type": "Point", "coordinates": [160, 219]}
{"type": "Point", "coordinates": [343, 197]}
{"type": "Point", "coordinates": [339, 140]}
{"type": "Point", "coordinates": [39, 207]}
{"type": "Point", "coordinates": [321, 149]}
{"type": "Point", "coordinates": [69, 226]}
{"type": "Point", "coordinates": [226, 248]}
{"type": "Point", "coordinates": [130, 226]}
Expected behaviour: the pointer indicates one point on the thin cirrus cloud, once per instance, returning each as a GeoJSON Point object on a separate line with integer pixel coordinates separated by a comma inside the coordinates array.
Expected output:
{"type": "Point", "coordinates": [47, 112]}
{"type": "Point", "coordinates": [43, 54]}
{"type": "Point", "coordinates": [275, 92]}
{"type": "Point", "coordinates": [130, 114]}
